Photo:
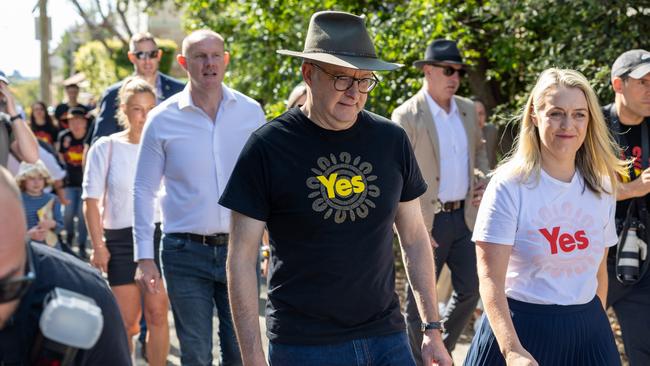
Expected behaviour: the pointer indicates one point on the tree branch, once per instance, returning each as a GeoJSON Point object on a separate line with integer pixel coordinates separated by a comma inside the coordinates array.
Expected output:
{"type": "Point", "coordinates": [121, 7]}
{"type": "Point", "coordinates": [94, 29]}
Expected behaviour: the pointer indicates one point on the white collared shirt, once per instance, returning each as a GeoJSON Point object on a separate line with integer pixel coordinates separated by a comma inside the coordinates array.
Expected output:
{"type": "Point", "coordinates": [194, 156]}
{"type": "Point", "coordinates": [454, 153]}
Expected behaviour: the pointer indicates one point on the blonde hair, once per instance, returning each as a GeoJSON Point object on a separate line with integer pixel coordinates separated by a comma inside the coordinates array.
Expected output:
{"type": "Point", "coordinates": [131, 86]}
{"type": "Point", "coordinates": [298, 92]}
{"type": "Point", "coordinates": [36, 170]}
{"type": "Point", "coordinates": [597, 158]}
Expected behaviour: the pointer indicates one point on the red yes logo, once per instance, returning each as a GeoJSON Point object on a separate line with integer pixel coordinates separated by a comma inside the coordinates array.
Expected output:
{"type": "Point", "coordinates": [565, 241]}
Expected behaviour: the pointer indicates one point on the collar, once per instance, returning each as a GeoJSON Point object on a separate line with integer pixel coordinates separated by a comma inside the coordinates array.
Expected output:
{"type": "Point", "coordinates": [185, 98]}
{"type": "Point", "coordinates": [436, 109]}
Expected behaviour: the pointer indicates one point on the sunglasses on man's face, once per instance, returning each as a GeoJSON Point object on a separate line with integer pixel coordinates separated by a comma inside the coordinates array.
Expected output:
{"type": "Point", "coordinates": [449, 71]}
{"type": "Point", "coordinates": [13, 288]}
{"type": "Point", "coordinates": [142, 55]}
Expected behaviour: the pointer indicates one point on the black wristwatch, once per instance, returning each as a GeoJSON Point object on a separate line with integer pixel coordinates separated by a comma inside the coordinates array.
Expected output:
{"type": "Point", "coordinates": [13, 118]}
{"type": "Point", "coordinates": [433, 325]}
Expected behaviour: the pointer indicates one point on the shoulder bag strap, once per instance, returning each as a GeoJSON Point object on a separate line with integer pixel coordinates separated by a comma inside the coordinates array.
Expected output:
{"type": "Point", "coordinates": [108, 169]}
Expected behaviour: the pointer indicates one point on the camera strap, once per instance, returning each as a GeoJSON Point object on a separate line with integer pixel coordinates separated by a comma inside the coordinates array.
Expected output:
{"type": "Point", "coordinates": [637, 209]}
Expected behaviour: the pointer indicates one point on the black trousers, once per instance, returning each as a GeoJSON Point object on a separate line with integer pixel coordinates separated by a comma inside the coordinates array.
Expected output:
{"type": "Point", "coordinates": [456, 249]}
{"type": "Point", "coordinates": [632, 307]}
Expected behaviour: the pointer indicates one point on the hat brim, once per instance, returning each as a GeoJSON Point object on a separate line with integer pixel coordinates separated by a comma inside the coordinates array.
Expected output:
{"type": "Point", "coordinates": [640, 71]}
{"type": "Point", "coordinates": [419, 63]}
{"type": "Point", "coordinates": [352, 62]}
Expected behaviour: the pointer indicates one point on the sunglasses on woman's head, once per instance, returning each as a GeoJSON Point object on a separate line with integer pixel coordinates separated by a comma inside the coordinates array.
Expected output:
{"type": "Point", "coordinates": [12, 288]}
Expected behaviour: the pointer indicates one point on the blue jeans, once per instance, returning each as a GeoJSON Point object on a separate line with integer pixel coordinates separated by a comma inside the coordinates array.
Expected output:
{"type": "Point", "coordinates": [196, 283]}
{"type": "Point", "coordinates": [72, 210]}
{"type": "Point", "coordinates": [388, 350]}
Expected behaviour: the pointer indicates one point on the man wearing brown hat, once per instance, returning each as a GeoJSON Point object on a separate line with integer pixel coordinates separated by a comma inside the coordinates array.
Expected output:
{"type": "Point", "coordinates": [448, 147]}
{"type": "Point", "coordinates": [629, 277]}
{"type": "Point", "coordinates": [329, 180]}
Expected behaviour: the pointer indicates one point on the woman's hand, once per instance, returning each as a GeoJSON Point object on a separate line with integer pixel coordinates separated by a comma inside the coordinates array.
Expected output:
{"type": "Point", "coordinates": [100, 257]}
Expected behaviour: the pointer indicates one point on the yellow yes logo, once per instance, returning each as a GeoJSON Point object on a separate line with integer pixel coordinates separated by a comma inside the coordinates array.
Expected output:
{"type": "Point", "coordinates": [343, 187]}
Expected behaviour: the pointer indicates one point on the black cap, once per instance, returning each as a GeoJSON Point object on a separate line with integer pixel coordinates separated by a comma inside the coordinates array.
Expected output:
{"type": "Point", "coordinates": [440, 50]}
{"type": "Point", "coordinates": [76, 111]}
{"type": "Point", "coordinates": [633, 63]}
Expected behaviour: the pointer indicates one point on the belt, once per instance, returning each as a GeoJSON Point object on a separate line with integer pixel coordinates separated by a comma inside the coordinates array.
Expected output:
{"type": "Point", "coordinates": [447, 206]}
{"type": "Point", "coordinates": [207, 240]}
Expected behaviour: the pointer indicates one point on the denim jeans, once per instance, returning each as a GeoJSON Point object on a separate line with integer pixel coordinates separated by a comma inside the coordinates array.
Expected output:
{"type": "Point", "coordinates": [196, 283]}
{"type": "Point", "coordinates": [388, 350]}
{"type": "Point", "coordinates": [72, 210]}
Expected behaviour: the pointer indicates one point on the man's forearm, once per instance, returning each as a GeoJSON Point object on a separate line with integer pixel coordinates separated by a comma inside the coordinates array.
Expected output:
{"type": "Point", "coordinates": [628, 190]}
{"type": "Point", "coordinates": [242, 290]}
{"type": "Point", "coordinates": [420, 269]}
{"type": "Point", "coordinates": [26, 141]}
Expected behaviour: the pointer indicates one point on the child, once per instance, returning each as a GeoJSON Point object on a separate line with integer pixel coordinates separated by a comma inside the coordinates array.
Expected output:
{"type": "Point", "coordinates": [43, 210]}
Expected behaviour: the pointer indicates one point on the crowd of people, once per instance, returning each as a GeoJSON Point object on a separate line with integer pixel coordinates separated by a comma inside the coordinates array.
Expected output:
{"type": "Point", "coordinates": [178, 185]}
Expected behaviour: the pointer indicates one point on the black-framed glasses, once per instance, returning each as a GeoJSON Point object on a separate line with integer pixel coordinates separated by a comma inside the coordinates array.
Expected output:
{"type": "Point", "coordinates": [344, 82]}
{"type": "Point", "coordinates": [449, 71]}
{"type": "Point", "coordinates": [12, 288]}
{"type": "Point", "coordinates": [142, 55]}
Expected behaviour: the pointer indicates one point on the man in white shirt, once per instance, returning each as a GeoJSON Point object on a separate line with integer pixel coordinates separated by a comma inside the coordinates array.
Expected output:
{"type": "Point", "coordinates": [448, 146]}
{"type": "Point", "coordinates": [192, 141]}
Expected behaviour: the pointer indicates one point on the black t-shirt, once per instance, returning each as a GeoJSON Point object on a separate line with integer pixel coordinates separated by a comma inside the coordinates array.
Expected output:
{"type": "Point", "coordinates": [329, 199]}
{"type": "Point", "coordinates": [72, 150]}
{"type": "Point", "coordinates": [46, 133]}
{"type": "Point", "coordinates": [56, 269]}
{"type": "Point", "coordinates": [62, 109]}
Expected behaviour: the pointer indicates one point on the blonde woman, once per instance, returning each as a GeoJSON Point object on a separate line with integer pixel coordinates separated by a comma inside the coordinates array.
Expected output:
{"type": "Point", "coordinates": [543, 231]}
{"type": "Point", "coordinates": [108, 182]}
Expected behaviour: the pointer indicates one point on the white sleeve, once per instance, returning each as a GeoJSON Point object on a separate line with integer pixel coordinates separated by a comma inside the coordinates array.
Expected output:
{"type": "Point", "coordinates": [261, 117]}
{"type": "Point", "coordinates": [148, 175]}
{"type": "Point", "coordinates": [611, 238]}
{"type": "Point", "coordinates": [51, 164]}
{"type": "Point", "coordinates": [498, 214]}
{"type": "Point", "coordinates": [94, 181]}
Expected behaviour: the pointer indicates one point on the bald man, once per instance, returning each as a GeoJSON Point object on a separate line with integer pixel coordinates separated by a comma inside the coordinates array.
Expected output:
{"type": "Point", "coordinates": [192, 141]}
{"type": "Point", "coordinates": [37, 269]}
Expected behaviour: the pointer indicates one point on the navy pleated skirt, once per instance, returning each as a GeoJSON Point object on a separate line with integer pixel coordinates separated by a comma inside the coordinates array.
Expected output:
{"type": "Point", "coordinates": [556, 335]}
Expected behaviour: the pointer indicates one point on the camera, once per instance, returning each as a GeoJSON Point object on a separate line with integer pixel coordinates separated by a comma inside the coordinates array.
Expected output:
{"type": "Point", "coordinates": [633, 251]}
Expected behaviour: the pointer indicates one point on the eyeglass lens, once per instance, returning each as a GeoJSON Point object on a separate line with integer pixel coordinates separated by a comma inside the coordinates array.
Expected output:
{"type": "Point", "coordinates": [141, 55]}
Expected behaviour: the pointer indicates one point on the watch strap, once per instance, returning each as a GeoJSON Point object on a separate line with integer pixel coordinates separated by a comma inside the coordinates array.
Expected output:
{"type": "Point", "coordinates": [432, 325]}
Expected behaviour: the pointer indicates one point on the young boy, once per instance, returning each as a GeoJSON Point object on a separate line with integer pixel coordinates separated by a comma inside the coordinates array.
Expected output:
{"type": "Point", "coordinates": [42, 209]}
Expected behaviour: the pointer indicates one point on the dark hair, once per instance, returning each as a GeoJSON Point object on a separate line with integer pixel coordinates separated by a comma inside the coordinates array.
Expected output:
{"type": "Point", "coordinates": [48, 118]}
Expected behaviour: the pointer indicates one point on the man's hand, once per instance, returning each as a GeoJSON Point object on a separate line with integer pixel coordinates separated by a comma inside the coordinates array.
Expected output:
{"type": "Point", "coordinates": [147, 276]}
{"type": "Point", "coordinates": [642, 183]}
{"type": "Point", "coordinates": [520, 358]}
{"type": "Point", "coordinates": [100, 257]}
{"type": "Point", "coordinates": [11, 105]}
{"type": "Point", "coordinates": [433, 350]}
{"type": "Point", "coordinates": [477, 193]}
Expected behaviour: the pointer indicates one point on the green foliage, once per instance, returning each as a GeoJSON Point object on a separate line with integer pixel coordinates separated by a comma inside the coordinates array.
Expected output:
{"type": "Point", "coordinates": [26, 92]}
{"type": "Point", "coordinates": [103, 68]}
{"type": "Point", "coordinates": [506, 43]}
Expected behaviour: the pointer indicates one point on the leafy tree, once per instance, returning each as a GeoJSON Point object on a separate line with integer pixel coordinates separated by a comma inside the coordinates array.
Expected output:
{"type": "Point", "coordinates": [507, 43]}
{"type": "Point", "coordinates": [103, 68]}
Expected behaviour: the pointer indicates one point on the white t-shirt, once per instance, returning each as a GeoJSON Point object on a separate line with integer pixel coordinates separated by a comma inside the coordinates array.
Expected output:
{"type": "Point", "coordinates": [558, 231]}
{"type": "Point", "coordinates": [118, 210]}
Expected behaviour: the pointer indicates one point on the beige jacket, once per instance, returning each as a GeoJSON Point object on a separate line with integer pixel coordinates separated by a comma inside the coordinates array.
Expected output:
{"type": "Point", "coordinates": [415, 117]}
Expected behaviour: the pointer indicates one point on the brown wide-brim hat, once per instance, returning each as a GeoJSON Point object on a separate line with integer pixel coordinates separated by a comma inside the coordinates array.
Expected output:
{"type": "Point", "coordinates": [340, 39]}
